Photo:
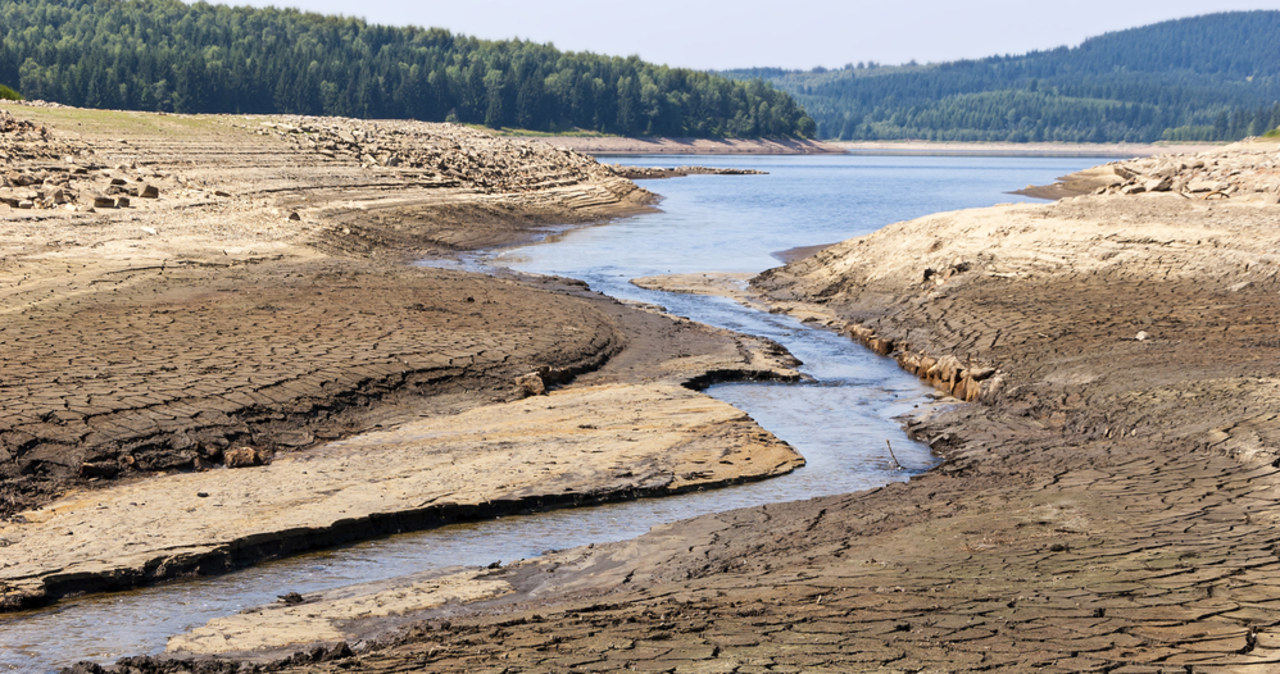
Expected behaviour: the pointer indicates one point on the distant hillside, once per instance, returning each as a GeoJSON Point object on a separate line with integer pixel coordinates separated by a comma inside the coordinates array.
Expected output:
{"type": "Point", "coordinates": [1214, 77]}
{"type": "Point", "coordinates": [168, 56]}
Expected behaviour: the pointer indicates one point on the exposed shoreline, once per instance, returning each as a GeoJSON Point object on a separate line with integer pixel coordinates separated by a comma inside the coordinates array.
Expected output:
{"type": "Point", "coordinates": [205, 303]}
{"type": "Point", "coordinates": [1108, 499]}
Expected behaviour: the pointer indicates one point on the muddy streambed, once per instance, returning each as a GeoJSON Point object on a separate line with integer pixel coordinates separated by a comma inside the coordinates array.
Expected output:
{"type": "Point", "coordinates": [840, 421]}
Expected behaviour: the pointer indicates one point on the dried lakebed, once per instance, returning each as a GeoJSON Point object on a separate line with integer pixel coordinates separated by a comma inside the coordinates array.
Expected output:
{"type": "Point", "coordinates": [858, 392]}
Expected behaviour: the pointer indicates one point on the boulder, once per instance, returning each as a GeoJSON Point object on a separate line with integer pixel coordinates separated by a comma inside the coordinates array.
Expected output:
{"type": "Point", "coordinates": [244, 457]}
{"type": "Point", "coordinates": [531, 384]}
{"type": "Point", "coordinates": [150, 192]}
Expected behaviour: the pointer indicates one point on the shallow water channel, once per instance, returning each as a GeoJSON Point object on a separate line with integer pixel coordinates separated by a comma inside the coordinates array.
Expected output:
{"type": "Point", "coordinates": [839, 422]}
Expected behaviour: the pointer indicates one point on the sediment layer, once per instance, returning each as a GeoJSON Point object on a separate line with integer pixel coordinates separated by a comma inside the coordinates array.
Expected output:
{"type": "Point", "coordinates": [194, 306]}
{"type": "Point", "coordinates": [1110, 506]}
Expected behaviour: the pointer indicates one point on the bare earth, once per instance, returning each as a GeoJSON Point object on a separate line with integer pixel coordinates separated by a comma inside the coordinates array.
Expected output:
{"type": "Point", "coordinates": [214, 351]}
{"type": "Point", "coordinates": [1109, 501]}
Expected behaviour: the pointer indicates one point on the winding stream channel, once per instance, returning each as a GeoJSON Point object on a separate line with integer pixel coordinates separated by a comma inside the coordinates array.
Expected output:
{"type": "Point", "coordinates": [839, 421]}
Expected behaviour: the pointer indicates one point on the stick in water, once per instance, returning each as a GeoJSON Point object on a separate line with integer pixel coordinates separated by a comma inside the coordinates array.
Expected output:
{"type": "Point", "coordinates": [896, 465]}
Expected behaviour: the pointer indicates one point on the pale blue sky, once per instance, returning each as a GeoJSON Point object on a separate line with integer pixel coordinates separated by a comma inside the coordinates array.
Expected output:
{"type": "Point", "coordinates": [787, 33]}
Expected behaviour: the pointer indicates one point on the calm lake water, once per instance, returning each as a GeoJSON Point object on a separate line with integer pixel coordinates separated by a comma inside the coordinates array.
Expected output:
{"type": "Point", "coordinates": [839, 422]}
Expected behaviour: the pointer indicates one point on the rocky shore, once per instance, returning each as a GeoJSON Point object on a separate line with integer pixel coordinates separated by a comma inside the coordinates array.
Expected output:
{"type": "Point", "coordinates": [1108, 501]}
{"type": "Point", "coordinates": [213, 351]}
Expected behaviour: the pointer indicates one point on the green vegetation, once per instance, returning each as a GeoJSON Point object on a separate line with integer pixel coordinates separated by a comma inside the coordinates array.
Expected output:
{"type": "Point", "coordinates": [1214, 77]}
{"type": "Point", "coordinates": [7, 94]}
{"type": "Point", "coordinates": [168, 56]}
{"type": "Point", "coordinates": [1274, 133]}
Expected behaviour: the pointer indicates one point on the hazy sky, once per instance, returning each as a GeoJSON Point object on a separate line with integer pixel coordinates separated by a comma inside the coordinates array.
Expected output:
{"type": "Point", "coordinates": [787, 33]}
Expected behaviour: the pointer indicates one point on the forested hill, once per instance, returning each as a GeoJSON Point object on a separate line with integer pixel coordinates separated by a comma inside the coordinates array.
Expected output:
{"type": "Point", "coordinates": [1214, 77]}
{"type": "Point", "coordinates": [168, 56]}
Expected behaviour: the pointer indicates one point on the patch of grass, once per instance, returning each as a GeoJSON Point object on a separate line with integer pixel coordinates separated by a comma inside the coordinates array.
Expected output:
{"type": "Point", "coordinates": [118, 123]}
{"type": "Point", "coordinates": [1274, 133]}
{"type": "Point", "coordinates": [8, 94]}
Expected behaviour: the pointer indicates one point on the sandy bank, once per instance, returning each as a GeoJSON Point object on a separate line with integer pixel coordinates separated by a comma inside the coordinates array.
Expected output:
{"type": "Point", "coordinates": [182, 292]}
{"type": "Point", "coordinates": [1109, 498]}
{"type": "Point", "coordinates": [584, 445]}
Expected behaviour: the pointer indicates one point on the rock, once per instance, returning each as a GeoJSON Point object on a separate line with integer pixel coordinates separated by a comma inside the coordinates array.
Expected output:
{"type": "Point", "coordinates": [1134, 189]}
{"type": "Point", "coordinates": [220, 193]}
{"type": "Point", "coordinates": [26, 203]}
{"type": "Point", "coordinates": [1141, 336]}
{"type": "Point", "coordinates": [294, 217]}
{"type": "Point", "coordinates": [531, 384]}
{"type": "Point", "coordinates": [122, 202]}
{"type": "Point", "coordinates": [1159, 184]}
{"type": "Point", "coordinates": [244, 457]}
{"type": "Point", "coordinates": [104, 201]}
{"type": "Point", "coordinates": [980, 373]}
{"type": "Point", "coordinates": [149, 192]}
{"type": "Point", "coordinates": [1202, 185]}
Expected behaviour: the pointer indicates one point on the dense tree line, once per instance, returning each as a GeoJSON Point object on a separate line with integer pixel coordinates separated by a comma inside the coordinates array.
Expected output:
{"type": "Point", "coordinates": [169, 56]}
{"type": "Point", "coordinates": [1214, 77]}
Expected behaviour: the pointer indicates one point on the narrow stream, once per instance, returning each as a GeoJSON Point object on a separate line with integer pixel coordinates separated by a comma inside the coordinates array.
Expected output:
{"type": "Point", "coordinates": [839, 422]}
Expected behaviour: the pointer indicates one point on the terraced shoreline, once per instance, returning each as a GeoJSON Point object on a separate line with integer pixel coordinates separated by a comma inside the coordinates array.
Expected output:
{"type": "Point", "coordinates": [1108, 500]}
{"type": "Point", "coordinates": [195, 306]}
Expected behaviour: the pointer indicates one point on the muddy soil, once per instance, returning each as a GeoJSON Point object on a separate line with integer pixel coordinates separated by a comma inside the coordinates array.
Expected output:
{"type": "Point", "coordinates": [177, 286]}
{"type": "Point", "coordinates": [1109, 500]}
{"type": "Point", "coordinates": [194, 306]}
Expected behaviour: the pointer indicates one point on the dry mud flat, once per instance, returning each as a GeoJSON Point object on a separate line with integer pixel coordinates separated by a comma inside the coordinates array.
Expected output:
{"type": "Point", "coordinates": [1109, 502]}
{"type": "Point", "coordinates": [213, 350]}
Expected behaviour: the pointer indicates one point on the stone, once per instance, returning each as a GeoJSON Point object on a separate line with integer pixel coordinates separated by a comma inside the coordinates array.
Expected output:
{"type": "Point", "coordinates": [1134, 189]}
{"type": "Point", "coordinates": [150, 192]}
{"type": "Point", "coordinates": [531, 384]}
{"type": "Point", "coordinates": [104, 201]}
{"type": "Point", "coordinates": [294, 217]}
{"type": "Point", "coordinates": [1159, 184]}
{"type": "Point", "coordinates": [245, 457]}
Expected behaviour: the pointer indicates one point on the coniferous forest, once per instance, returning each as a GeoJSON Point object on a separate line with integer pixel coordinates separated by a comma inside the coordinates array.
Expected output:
{"type": "Point", "coordinates": [169, 56]}
{"type": "Point", "coordinates": [1214, 77]}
